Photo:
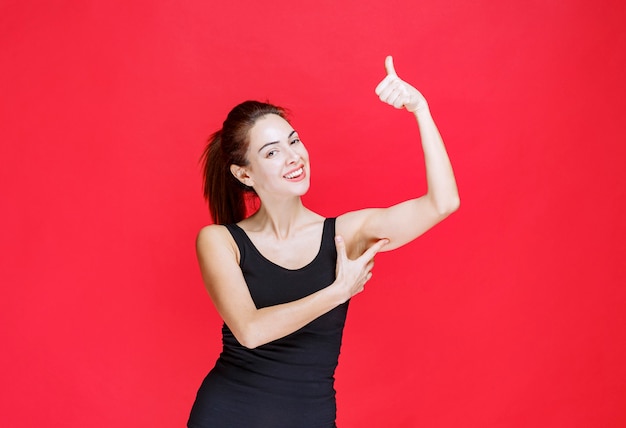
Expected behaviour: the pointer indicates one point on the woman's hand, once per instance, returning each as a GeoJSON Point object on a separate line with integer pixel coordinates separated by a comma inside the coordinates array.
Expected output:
{"type": "Point", "coordinates": [353, 274]}
{"type": "Point", "coordinates": [396, 92]}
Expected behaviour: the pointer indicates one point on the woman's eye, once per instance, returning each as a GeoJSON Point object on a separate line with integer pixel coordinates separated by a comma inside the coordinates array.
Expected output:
{"type": "Point", "coordinates": [270, 153]}
{"type": "Point", "coordinates": [295, 140]}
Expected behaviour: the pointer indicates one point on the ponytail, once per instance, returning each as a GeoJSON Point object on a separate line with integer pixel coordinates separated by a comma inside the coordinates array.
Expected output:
{"type": "Point", "coordinates": [223, 192]}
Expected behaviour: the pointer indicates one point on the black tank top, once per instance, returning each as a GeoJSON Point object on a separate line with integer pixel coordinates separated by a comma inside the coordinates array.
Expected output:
{"type": "Point", "coordinates": [288, 382]}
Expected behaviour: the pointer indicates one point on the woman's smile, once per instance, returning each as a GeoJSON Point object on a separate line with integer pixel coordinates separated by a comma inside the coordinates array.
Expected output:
{"type": "Point", "coordinates": [296, 175]}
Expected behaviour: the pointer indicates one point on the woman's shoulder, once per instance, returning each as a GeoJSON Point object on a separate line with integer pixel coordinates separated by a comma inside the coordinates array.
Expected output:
{"type": "Point", "coordinates": [215, 237]}
{"type": "Point", "coordinates": [212, 231]}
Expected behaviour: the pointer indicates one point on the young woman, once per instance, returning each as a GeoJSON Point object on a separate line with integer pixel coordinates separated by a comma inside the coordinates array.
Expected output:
{"type": "Point", "coordinates": [282, 278]}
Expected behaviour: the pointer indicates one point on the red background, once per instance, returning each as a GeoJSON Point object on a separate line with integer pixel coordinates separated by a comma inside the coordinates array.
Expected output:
{"type": "Point", "coordinates": [508, 314]}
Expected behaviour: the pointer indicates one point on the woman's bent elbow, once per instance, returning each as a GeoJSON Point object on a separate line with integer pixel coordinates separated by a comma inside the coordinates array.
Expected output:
{"type": "Point", "coordinates": [451, 205]}
{"type": "Point", "coordinates": [248, 338]}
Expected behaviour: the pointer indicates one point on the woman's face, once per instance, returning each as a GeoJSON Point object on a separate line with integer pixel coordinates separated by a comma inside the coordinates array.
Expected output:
{"type": "Point", "coordinates": [278, 162]}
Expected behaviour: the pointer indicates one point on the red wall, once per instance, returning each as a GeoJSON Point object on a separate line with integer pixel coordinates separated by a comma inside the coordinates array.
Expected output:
{"type": "Point", "coordinates": [509, 314]}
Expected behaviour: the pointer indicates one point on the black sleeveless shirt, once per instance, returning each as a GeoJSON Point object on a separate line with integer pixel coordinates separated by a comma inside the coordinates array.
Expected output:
{"type": "Point", "coordinates": [287, 383]}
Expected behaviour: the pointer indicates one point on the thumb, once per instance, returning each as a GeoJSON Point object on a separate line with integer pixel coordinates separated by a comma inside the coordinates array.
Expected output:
{"type": "Point", "coordinates": [341, 248]}
{"type": "Point", "coordinates": [391, 71]}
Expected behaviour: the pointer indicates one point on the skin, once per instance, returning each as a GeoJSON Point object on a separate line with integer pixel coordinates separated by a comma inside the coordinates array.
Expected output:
{"type": "Point", "coordinates": [289, 234]}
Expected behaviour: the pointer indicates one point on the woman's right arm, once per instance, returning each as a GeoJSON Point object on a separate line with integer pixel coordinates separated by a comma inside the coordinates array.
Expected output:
{"type": "Point", "coordinates": [217, 255]}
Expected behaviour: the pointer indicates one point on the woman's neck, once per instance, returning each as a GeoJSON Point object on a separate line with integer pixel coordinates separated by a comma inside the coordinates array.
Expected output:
{"type": "Point", "coordinates": [280, 219]}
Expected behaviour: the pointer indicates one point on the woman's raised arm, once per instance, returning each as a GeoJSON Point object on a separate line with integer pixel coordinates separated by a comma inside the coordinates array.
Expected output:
{"type": "Point", "coordinates": [406, 221]}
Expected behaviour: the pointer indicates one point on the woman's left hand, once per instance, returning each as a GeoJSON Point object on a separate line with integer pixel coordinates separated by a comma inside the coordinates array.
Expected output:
{"type": "Point", "coordinates": [396, 92]}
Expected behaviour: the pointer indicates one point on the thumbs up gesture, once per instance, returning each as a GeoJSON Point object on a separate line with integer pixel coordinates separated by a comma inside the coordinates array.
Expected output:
{"type": "Point", "coordinates": [396, 92]}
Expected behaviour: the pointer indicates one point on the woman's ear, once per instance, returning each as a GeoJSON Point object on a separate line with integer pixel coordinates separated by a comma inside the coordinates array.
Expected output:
{"type": "Point", "coordinates": [241, 174]}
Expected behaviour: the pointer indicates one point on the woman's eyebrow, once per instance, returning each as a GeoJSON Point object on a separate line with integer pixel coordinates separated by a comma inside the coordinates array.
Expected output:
{"type": "Point", "coordinates": [268, 144]}
{"type": "Point", "coordinates": [276, 142]}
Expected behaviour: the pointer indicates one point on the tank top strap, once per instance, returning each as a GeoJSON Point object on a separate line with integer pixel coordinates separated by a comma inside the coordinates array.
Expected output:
{"type": "Point", "coordinates": [241, 240]}
{"type": "Point", "coordinates": [328, 237]}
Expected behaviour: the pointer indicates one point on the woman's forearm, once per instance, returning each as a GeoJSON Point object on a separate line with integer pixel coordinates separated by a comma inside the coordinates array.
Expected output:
{"type": "Point", "coordinates": [442, 188]}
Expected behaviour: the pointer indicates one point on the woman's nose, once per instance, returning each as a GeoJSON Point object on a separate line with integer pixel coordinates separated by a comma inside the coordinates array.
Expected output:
{"type": "Point", "coordinates": [292, 156]}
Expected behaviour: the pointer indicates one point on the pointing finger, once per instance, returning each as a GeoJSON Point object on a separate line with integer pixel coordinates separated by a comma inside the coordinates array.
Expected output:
{"type": "Point", "coordinates": [371, 251]}
{"type": "Point", "coordinates": [391, 71]}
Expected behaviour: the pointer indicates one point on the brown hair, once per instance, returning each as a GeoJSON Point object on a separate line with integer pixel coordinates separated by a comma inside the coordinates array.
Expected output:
{"type": "Point", "coordinates": [225, 194]}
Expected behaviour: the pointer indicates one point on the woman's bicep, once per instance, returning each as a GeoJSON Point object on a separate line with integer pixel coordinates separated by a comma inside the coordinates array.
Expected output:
{"type": "Point", "coordinates": [400, 223]}
{"type": "Point", "coordinates": [223, 278]}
